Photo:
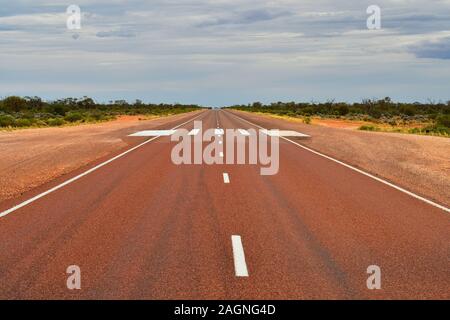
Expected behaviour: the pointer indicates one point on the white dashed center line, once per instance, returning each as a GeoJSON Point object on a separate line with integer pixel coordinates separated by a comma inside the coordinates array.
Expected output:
{"type": "Point", "coordinates": [240, 267]}
{"type": "Point", "coordinates": [226, 178]}
{"type": "Point", "coordinates": [221, 154]}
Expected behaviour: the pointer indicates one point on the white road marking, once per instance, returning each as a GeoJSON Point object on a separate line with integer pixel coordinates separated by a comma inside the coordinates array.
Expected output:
{"type": "Point", "coordinates": [194, 132]}
{"type": "Point", "coordinates": [244, 132]}
{"type": "Point", "coordinates": [65, 183]}
{"type": "Point", "coordinates": [153, 133]}
{"type": "Point", "coordinates": [226, 178]}
{"type": "Point", "coordinates": [240, 267]}
{"type": "Point", "coordinates": [221, 154]}
{"type": "Point", "coordinates": [284, 133]}
{"type": "Point", "coordinates": [218, 131]}
{"type": "Point", "coordinates": [220, 142]}
{"type": "Point", "coordinates": [412, 194]}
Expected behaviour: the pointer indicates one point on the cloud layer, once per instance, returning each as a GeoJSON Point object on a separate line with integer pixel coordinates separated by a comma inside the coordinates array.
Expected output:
{"type": "Point", "coordinates": [225, 52]}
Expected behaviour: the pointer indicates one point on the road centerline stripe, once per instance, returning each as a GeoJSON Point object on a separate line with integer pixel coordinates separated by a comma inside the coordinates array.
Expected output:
{"type": "Point", "coordinates": [226, 178]}
{"type": "Point", "coordinates": [240, 266]}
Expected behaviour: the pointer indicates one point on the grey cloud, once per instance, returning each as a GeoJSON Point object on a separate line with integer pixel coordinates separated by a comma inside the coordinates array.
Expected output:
{"type": "Point", "coordinates": [246, 17]}
{"type": "Point", "coordinates": [226, 45]}
{"type": "Point", "coordinates": [433, 50]}
{"type": "Point", "coordinates": [115, 33]}
{"type": "Point", "coordinates": [8, 28]}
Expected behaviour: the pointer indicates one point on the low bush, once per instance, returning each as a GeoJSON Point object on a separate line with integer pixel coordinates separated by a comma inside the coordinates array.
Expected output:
{"type": "Point", "coordinates": [436, 129]}
{"type": "Point", "coordinates": [443, 120]}
{"type": "Point", "coordinates": [6, 120]}
{"type": "Point", "coordinates": [55, 122]}
{"type": "Point", "coordinates": [415, 130]}
{"type": "Point", "coordinates": [73, 117]}
{"type": "Point", "coordinates": [23, 123]}
{"type": "Point", "coordinates": [369, 128]}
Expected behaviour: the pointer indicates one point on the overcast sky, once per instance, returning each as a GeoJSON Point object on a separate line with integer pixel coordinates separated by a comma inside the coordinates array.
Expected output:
{"type": "Point", "coordinates": [217, 52]}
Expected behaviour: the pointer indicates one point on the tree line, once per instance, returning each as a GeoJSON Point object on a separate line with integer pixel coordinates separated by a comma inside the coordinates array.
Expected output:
{"type": "Point", "coordinates": [437, 115]}
{"type": "Point", "coordinates": [33, 111]}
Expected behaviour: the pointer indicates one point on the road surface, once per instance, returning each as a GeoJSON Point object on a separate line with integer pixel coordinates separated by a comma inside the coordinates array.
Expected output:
{"type": "Point", "coordinates": [141, 227]}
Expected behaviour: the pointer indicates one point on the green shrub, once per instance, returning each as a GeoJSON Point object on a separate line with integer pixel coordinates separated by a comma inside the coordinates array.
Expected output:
{"type": "Point", "coordinates": [415, 130]}
{"type": "Point", "coordinates": [307, 120]}
{"type": "Point", "coordinates": [23, 123]}
{"type": "Point", "coordinates": [55, 122]}
{"type": "Point", "coordinates": [343, 110]}
{"type": "Point", "coordinates": [14, 104]}
{"type": "Point", "coordinates": [408, 110]}
{"type": "Point", "coordinates": [56, 109]}
{"type": "Point", "coordinates": [308, 111]}
{"type": "Point", "coordinates": [436, 129]}
{"type": "Point", "coordinates": [40, 123]}
{"type": "Point", "coordinates": [6, 120]}
{"type": "Point", "coordinates": [376, 114]}
{"type": "Point", "coordinates": [369, 128]}
{"type": "Point", "coordinates": [73, 117]}
{"type": "Point", "coordinates": [443, 120]}
{"type": "Point", "coordinates": [97, 116]}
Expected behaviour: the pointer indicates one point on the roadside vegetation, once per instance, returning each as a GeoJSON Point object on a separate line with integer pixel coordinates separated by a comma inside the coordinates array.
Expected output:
{"type": "Point", "coordinates": [377, 115]}
{"type": "Point", "coordinates": [18, 112]}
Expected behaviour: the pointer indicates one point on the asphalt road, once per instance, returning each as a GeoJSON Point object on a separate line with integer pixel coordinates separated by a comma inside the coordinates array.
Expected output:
{"type": "Point", "coordinates": [141, 227]}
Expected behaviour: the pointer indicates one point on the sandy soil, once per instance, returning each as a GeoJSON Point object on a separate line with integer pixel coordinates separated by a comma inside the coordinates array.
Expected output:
{"type": "Point", "coordinates": [32, 157]}
{"type": "Point", "coordinates": [417, 163]}
{"type": "Point", "coordinates": [343, 124]}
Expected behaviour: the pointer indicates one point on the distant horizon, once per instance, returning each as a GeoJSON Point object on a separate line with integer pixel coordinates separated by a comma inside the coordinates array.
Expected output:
{"type": "Point", "coordinates": [132, 101]}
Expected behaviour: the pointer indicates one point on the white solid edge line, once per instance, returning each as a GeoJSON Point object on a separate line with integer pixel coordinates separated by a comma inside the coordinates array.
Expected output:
{"type": "Point", "coordinates": [226, 178]}
{"type": "Point", "coordinates": [240, 267]}
{"type": "Point", "coordinates": [284, 133]}
{"type": "Point", "coordinates": [153, 133]}
{"type": "Point", "coordinates": [432, 203]}
{"type": "Point", "coordinates": [65, 183]}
